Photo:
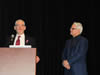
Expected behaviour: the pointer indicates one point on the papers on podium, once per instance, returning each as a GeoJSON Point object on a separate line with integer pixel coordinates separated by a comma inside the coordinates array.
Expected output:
{"type": "Point", "coordinates": [20, 46]}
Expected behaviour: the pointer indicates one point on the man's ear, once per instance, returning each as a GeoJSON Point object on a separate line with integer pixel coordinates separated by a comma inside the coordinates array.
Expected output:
{"type": "Point", "coordinates": [14, 27]}
{"type": "Point", "coordinates": [25, 28]}
{"type": "Point", "coordinates": [79, 31]}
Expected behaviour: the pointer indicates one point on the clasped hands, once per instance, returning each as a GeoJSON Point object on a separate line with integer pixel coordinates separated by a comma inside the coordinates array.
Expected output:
{"type": "Point", "coordinates": [66, 64]}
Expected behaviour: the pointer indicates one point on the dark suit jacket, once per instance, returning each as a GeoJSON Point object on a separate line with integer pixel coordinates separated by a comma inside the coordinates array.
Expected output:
{"type": "Point", "coordinates": [28, 41]}
{"type": "Point", "coordinates": [75, 52]}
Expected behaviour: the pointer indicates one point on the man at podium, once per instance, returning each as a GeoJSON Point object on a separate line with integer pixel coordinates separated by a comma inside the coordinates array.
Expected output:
{"type": "Point", "coordinates": [21, 39]}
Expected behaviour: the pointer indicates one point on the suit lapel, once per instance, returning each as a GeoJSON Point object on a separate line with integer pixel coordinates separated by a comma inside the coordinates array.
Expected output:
{"type": "Point", "coordinates": [12, 40]}
{"type": "Point", "coordinates": [26, 40]}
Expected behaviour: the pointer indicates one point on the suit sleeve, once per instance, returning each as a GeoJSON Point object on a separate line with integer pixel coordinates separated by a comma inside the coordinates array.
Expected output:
{"type": "Point", "coordinates": [81, 52]}
{"type": "Point", "coordinates": [34, 45]}
{"type": "Point", "coordinates": [33, 42]}
{"type": "Point", "coordinates": [7, 42]}
{"type": "Point", "coordinates": [64, 53]}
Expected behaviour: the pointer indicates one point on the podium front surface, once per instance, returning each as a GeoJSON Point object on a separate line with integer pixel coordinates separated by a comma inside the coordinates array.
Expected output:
{"type": "Point", "coordinates": [17, 61]}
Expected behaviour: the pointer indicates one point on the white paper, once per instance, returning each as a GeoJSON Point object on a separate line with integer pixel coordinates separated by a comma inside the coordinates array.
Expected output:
{"type": "Point", "coordinates": [20, 46]}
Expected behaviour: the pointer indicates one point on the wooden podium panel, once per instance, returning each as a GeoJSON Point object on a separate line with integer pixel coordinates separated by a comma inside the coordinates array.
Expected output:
{"type": "Point", "coordinates": [17, 61]}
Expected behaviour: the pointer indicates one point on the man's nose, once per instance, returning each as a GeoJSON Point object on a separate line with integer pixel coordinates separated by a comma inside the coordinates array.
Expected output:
{"type": "Point", "coordinates": [20, 27]}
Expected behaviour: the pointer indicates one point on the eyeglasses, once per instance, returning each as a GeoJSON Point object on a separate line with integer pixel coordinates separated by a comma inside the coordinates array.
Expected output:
{"type": "Point", "coordinates": [73, 28]}
{"type": "Point", "coordinates": [19, 25]}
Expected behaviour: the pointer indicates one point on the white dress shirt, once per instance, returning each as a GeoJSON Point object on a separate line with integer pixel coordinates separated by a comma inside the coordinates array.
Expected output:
{"type": "Point", "coordinates": [22, 39]}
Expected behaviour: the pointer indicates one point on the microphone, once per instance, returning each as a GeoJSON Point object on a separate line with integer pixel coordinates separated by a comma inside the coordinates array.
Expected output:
{"type": "Point", "coordinates": [12, 36]}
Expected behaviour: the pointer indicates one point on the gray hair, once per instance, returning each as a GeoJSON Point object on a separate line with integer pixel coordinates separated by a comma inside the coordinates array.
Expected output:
{"type": "Point", "coordinates": [79, 26]}
{"type": "Point", "coordinates": [19, 20]}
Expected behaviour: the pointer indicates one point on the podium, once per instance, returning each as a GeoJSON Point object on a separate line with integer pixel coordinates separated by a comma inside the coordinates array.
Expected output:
{"type": "Point", "coordinates": [17, 61]}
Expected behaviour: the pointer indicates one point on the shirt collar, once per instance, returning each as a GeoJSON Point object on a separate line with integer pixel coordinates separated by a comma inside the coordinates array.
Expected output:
{"type": "Point", "coordinates": [20, 35]}
{"type": "Point", "coordinates": [77, 37]}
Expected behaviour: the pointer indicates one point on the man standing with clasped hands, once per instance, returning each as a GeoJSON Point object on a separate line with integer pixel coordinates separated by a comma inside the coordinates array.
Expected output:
{"type": "Point", "coordinates": [74, 54]}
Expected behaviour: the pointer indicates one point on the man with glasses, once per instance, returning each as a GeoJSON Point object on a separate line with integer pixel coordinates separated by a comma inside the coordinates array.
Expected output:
{"type": "Point", "coordinates": [74, 54]}
{"type": "Point", "coordinates": [21, 39]}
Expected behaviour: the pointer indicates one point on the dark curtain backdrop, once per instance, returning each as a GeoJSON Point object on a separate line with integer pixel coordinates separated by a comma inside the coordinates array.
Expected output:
{"type": "Point", "coordinates": [49, 21]}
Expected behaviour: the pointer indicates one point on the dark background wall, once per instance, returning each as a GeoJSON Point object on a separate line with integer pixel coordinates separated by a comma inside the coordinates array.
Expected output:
{"type": "Point", "coordinates": [49, 21]}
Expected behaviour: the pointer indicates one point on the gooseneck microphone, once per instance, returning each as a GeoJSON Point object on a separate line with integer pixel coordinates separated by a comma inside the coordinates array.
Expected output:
{"type": "Point", "coordinates": [12, 37]}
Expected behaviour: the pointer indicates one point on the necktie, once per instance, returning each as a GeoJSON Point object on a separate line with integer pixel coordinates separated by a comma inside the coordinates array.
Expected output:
{"type": "Point", "coordinates": [18, 41]}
